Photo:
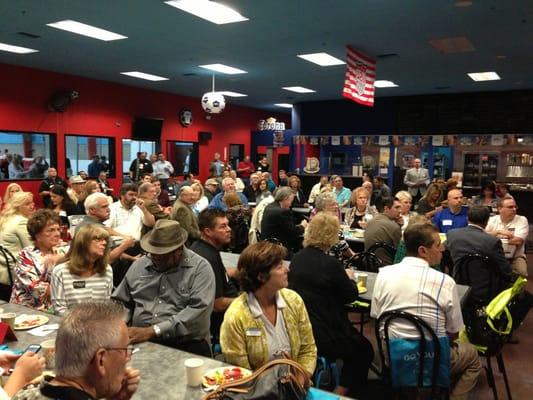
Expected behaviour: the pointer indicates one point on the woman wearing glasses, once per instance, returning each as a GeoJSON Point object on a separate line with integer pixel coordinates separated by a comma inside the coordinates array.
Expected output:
{"type": "Point", "coordinates": [267, 320]}
{"type": "Point", "coordinates": [325, 287]}
{"type": "Point", "coordinates": [86, 275]}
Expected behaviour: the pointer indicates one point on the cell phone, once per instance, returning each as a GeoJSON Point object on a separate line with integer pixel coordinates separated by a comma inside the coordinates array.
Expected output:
{"type": "Point", "coordinates": [34, 348]}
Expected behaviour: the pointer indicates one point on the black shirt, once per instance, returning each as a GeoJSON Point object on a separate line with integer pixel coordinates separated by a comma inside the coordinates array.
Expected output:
{"type": "Point", "coordinates": [251, 193]}
{"type": "Point", "coordinates": [224, 287]}
{"type": "Point", "coordinates": [62, 392]}
{"type": "Point", "coordinates": [47, 184]}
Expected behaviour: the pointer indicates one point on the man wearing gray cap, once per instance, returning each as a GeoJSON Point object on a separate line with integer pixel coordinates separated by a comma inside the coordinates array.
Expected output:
{"type": "Point", "coordinates": [170, 292]}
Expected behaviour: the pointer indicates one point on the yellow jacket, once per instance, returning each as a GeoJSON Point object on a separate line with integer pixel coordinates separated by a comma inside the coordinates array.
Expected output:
{"type": "Point", "coordinates": [252, 351]}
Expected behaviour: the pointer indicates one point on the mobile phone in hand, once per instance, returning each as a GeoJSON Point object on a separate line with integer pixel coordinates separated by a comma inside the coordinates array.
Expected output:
{"type": "Point", "coordinates": [34, 348]}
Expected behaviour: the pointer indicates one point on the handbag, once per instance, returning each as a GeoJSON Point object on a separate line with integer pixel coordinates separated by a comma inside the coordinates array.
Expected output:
{"type": "Point", "coordinates": [282, 379]}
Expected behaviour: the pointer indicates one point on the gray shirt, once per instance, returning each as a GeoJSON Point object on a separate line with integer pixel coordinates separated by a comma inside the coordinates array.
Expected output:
{"type": "Point", "coordinates": [179, 301]}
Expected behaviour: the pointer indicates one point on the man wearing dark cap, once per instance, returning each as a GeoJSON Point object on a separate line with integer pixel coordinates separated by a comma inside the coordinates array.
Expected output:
{"type": "Point", "coordinates": [170, 292]}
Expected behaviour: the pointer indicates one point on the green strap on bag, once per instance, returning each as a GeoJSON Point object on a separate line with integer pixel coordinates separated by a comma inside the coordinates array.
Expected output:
{"type": "Point", "coordinates": [499, 304]}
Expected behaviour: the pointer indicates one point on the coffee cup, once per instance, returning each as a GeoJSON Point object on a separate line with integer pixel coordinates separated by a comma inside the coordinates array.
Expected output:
{"type": "Point", "coordinates": [48, 348]}
{"type": "Point", "coordinates": [9, 318]}
{"type": "Point", "coordinates": [361, 279]}
{"type": "Point", "coordinates": [194, 367]}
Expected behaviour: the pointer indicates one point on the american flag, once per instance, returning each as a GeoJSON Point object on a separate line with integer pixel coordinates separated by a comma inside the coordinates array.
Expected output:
{"type": "Point", "coordinates": [360, 77]}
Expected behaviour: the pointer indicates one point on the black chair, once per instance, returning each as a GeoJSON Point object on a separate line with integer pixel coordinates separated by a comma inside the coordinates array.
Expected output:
{"type": "Point", "coordinates": [474, 270]}
{"type": "Point", "coordinates": [9, 261]}
{"type": "Point", "coordinates": [423, 330]}
{"type": "Point", "coordinates": [365, 261]}
{"type": "Point", "coordinates": [380, 248]}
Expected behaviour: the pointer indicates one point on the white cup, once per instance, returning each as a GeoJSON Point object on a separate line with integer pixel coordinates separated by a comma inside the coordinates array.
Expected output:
{"type": "Point", "coordinates": [194, 368]}
{"type": "Point", "coordinates": [361, 279]}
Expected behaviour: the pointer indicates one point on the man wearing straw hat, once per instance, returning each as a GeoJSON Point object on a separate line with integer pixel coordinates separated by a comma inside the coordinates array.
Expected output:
{"type": "Point", "coordinates": [170, 292]}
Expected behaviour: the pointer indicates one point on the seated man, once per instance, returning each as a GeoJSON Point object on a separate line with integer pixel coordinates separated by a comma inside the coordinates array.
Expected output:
{"type": "Point", "coordinates": [98, 367]}
{"type": "Point", "coordinates": [183, 213]}
{"type": "Point", "coordinates": [216, 234]}
{"type": "Point", "coordinates": [413, 286]}
{"type": "Point", "coordinates": [228, 186]}
{"type": "Point", "coordinates": [383, 228]}
{"type": "Point", "coordinates": [454, 216]}
{"type": "Point", "coordinates": [148, 193]}
{"type": "Point", "coordinates": [473, 239]}
{"type": "Point", "coordinates": [170, 293]}
{"type": "Point", "coordinates": [515, 228]}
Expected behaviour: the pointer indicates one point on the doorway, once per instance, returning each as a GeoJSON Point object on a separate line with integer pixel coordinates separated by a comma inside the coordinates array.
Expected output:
{"type": "Point", "coordinates": [236, 154]}
{"type": "Point", "coordinates": [183, 156]}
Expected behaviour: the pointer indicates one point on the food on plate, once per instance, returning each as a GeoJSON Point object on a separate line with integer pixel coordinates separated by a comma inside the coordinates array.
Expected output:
{"type": "Point", "coordinates": [222, 375]}
{"type": "Point", "coordinates": [30, 321]}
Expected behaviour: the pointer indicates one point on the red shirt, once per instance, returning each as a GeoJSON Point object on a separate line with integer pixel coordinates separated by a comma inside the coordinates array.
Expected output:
{"type": "Point", "coordinates": [246, 164]}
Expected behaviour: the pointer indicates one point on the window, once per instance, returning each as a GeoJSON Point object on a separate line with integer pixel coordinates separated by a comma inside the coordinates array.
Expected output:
{"type": "Point", "coordinates": [81, 152]}
{"type": "Point", "coordinates": [130, 148]}
{"type": "Point", "coordinates": [26, 155]}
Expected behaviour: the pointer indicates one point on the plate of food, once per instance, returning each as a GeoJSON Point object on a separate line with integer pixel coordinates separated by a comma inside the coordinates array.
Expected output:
{"type": "Point", "coordinates": [218, 376]}
{"type": "Point", "coordinates": [26, 321]}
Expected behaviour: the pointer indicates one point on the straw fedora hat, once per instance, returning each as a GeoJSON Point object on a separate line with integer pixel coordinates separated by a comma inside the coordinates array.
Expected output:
{"type": "Point", "coordinates": [312, 165]}
{"type": "Point", "coordinates": [166, 236]}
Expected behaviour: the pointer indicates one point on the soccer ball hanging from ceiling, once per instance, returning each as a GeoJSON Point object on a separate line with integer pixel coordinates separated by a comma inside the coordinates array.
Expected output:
{"type": "Point", "coordinates": [213, 102]}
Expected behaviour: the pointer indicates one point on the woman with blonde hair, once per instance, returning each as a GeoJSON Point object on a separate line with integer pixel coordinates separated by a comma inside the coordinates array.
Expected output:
{"type": "Point", "coordinates": [361, 212]}
{"type": "Point", "coordinates": [429, 204]}
{"type": "Point", "coordinates": [201, 201]}
{"type": "Point", "coordinates": [325, 287]}
{"type": "Point", "coordinates": [11, 189]}
{"type": "Point", "coordinates": [86, 274]}
{"type": "Point", "coordinates": [89, 188]}
{"type": "Point", "coordinates": [13, 227]}
{"type": "Point", "coordinates": [406, 201]}
{"type": "Point", "coordinates": [299, 198]}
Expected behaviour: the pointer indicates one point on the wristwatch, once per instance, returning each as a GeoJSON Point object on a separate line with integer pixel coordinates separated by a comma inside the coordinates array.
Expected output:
{"type": "Point", "coordinates": [157, 330]}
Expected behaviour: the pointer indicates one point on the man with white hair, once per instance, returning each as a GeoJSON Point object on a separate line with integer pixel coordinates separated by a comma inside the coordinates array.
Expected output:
{"type": "Point", "coordinates": [228, 186]}
{"type": "Point", "coordinates": [183, 213]}
{"type": "Point", "coordinates": [93, 364]}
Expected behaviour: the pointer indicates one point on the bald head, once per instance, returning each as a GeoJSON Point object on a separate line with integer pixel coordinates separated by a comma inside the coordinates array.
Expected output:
{"type": "Point", "coordinates": [187, 195]}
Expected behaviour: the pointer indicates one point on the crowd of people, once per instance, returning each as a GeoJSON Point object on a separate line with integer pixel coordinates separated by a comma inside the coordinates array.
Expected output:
{"type": "Point", "coordinates": [155, 250]}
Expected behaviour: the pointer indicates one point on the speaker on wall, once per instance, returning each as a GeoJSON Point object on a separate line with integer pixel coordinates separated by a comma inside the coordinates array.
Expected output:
{"type": "Point", "coordinates": [147, 128]}
{"type": "Point", "coordinates": [204, 136]}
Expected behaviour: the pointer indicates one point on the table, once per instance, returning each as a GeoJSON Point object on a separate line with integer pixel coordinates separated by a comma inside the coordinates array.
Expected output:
{"type": "Point", "coordinates": [162, 371]}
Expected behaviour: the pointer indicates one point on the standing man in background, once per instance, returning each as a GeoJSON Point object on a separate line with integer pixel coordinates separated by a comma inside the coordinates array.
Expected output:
{"type": "Point", "coordinates": [139, 166]}
{"type": "Point", "coordinates": [245, 169]}
{"type": "Point", "coordinates": [417, 180]}
{"type": "Point", "coordinates": [162, 169]}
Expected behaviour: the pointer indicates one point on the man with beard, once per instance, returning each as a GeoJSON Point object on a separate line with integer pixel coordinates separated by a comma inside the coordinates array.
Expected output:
{"type": "Point", "coordinates": [170, 293]}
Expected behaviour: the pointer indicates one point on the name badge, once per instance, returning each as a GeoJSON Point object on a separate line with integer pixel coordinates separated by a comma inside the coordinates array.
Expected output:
{"type": "Point", "coordinates": [447, 222]}
{"type": "Point", "coordinates": [62, 213]}
{"type": "Point", "coordinates": [78, 284]}
{"type": "Point", "coordinates": [253, 332]}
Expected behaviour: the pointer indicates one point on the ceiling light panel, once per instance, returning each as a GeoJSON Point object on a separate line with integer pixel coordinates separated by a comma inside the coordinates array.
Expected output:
{"type": "Point", "coordinates": [223, 69]}
{"type": "Point", "coordinates": [232, 94]}
{"type": "Point", "coordinates": [86, 30]}
{"type": "Point", "coordinates": [384, 84]}
{"type": "Point", "coordinates": [322, 59]}
{"type": "Point", "coordinates": [298, 89]}
{"type": "Point", "coordinates": [284, 105]}
{"type": "Point", "coordinates": [484, 76]}
{"type": "Point", "coordinates": [16, 49]}
{"type": "Point", "coordinates": [209, 10]}
{"type": "Point", "coordinates": [142, 75]}
{"type": "Point", "coordinates": [453, 45]}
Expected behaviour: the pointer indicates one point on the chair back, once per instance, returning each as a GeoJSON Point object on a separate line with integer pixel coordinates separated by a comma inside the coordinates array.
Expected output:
{"type": "Point", "coordinates": [365, 261]}
{"type": "Point", "coordinates": [474, 270]}
{"type": "Point", "coordinates": [383, 250]}
{"type": "Point", "coordinates": [9, 261]}
{"type": "Point", "coordinates": [422, 347]}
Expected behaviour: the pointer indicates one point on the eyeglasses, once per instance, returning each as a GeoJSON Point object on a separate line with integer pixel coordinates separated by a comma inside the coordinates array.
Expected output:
{"type": "Point", "coordinates": [129, 350]}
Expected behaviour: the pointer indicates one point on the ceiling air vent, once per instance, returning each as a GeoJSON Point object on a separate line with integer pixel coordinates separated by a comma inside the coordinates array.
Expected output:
{"type": "Point", "coordinates": [28, 35]}
{"type": "Point", "coordinates": [387, 55]}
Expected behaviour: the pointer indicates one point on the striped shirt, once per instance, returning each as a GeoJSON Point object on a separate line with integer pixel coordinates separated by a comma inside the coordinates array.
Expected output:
{"type": "Point", "coordinates": [68, 289]}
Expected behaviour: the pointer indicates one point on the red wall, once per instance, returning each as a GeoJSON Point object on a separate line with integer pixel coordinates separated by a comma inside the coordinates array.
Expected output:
{"type": "Point", "coordinates": [108, 109]}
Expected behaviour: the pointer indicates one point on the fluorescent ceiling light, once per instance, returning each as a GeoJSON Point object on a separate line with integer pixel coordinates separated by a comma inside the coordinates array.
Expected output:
{"type": "Point", "coordinates": [322, 59]}
{"type": "Point", "coordinates": [224, 69]}
{"type": "Point", "coordinates": [484, 76]}
{"type": "Point", "coordinates": [86, 30]}
{"type": "Point", "coordinates": [298, 89]}
{"type": "Point", "coordinates": [142, 75]}
{"type": "Point", "coordinates": [384, 84]}
{"type": "Point", "coordinates": [16, 49]}
{"type": "Point", "coordinates": [284, 105]}
{"type": "Point", "coordinates": [233, 94]}
{"type": "Point", "coordinates": [208, 10]}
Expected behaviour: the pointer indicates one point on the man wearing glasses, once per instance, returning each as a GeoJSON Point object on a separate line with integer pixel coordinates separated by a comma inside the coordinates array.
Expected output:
{"type": "Point", "coordinates": [97, 368]}
{"type": "Point", "coordinates": [514, 230]}
{"type": "Point", "coordinates": [170, 293]}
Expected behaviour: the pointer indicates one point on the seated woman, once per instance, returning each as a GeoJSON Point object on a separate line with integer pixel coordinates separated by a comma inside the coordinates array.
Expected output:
{"type": "Point", "coordinates": [89, 188]}
{"type": "Point", "coordinates": [201, 201]}
{"type": "Point", "coordinates": [62, 204]}
{"type": "Point", "coordinates": [299, 198]}
{"type": "Point", "coordinates": [358, 216]}
{"type": "Point", "coordinates": [14, 234]}
{"type": "Point", "coordinates": [429, 204]}
{"type": "Point", "coordinates": [487, 197]}
{"type": "Point", "coordinates": [268, 319]}
{"type": "Point", "coordinates": [406, 201]}
{"type": "Point", "coordinates": [31, 287]}
{"type": "Point", "coordinates": [86, 275]}
{"type": "Point", "coordinates": [325, 287]}
{"type": "Point", "coordinates": [239, 221]}
{"type": "Point", "coordinates": [11, 189]}
{"type": "Point", "coordinates": [263, 191]}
